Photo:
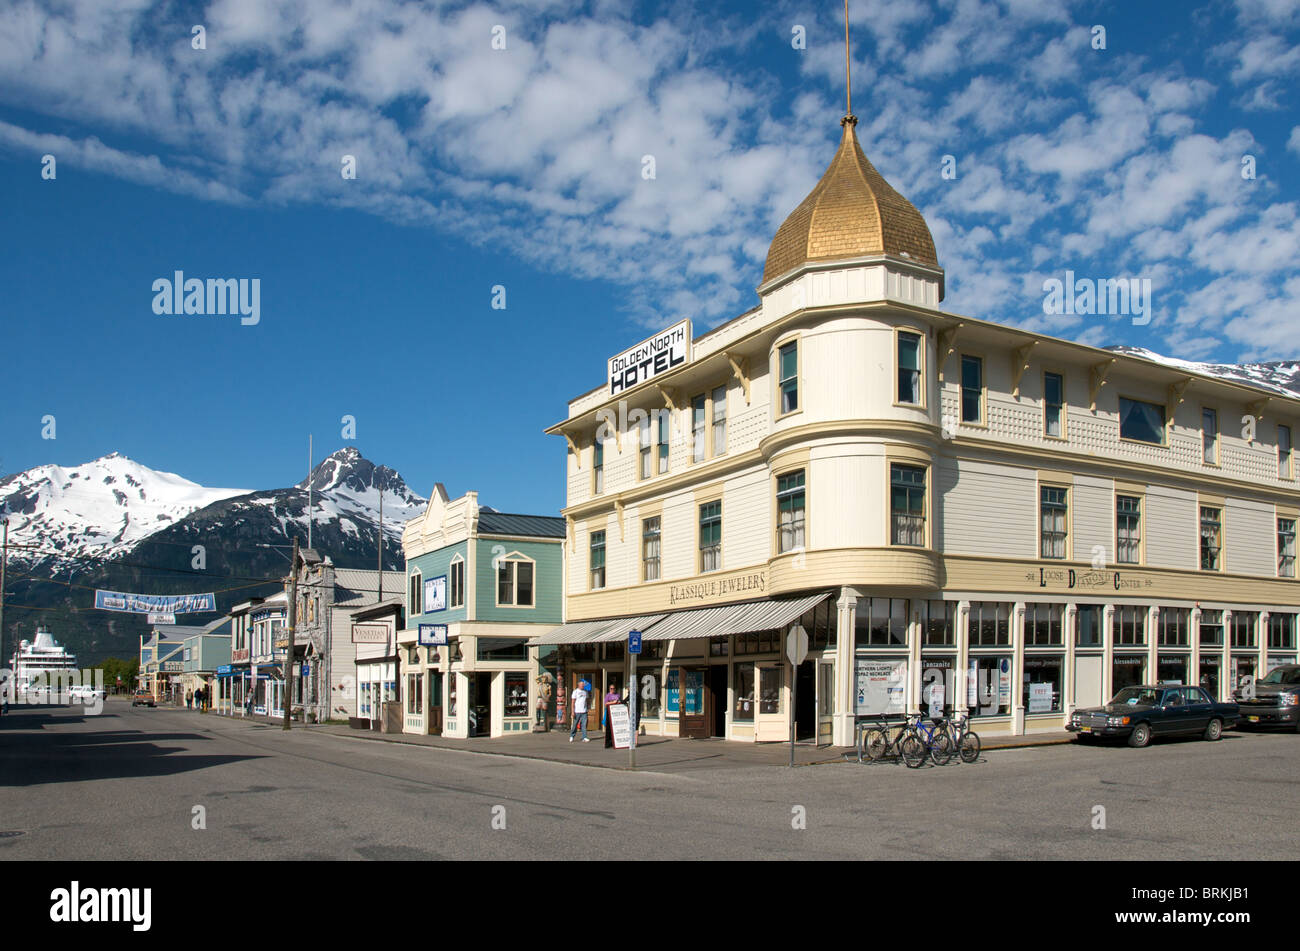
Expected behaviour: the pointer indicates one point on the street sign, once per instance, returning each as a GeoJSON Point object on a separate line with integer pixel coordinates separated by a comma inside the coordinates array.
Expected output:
{"type": "Point", "coordinates": [433, 635]}
{"type": "Point", "coordinates": [634, 642]}
{"type": "Point", "coordinates": [306, 669]}
{"type": "Point", "coordinates": [796, 645]}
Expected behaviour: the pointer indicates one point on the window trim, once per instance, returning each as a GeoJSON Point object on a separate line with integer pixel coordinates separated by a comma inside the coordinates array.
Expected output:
{"type": "Point", "coordinates": [983, 421]}
{"type": "Point", "coordinates": [1290, 452]}
{"type": "Point", "coordinates": [928, 508]}
{"type": "Point", "coordinates": [513, 558]}
{"type": "Point", "coordinates": [780, 343]}
{"type": "Point", "coordinates": [699, 552]}
{"type": "Point", "coordinates": [922, 348]}
{"type": "Point", "coordinates": [413, 590]}
{"type": "Point", "coordinates": [1219, 507]}
{"type": "Point", "coordinates": [777, 476]}
{"type": "Point", "coordinates": [1065, 426]}
{"type": "Point", "coordinates": [657, 516]}
{"type": "Point", "coordinates": [1119, 422]}
{"type": "Point", "coordinates": [1279, 518]}
{"type": "Point", "coordinates": [598, 468]}
{"type": "Point", "coordinates": [604, 551]}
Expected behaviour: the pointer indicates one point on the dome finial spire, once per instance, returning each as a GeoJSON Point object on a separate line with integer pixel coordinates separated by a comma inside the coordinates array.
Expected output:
{"type": "Point", "coordinates": [849, 117]}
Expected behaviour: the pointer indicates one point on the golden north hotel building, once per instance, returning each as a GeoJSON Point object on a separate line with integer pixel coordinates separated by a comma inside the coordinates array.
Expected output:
{"type": "Point", "coordinates": [963, 516]}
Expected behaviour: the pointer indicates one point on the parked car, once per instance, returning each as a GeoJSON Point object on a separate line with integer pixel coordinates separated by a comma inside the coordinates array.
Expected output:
{"type": "Point", "coordinates": [143, 697]}
{"type": "Point", "coordinates": [1276, 700]}
{"type": "Point", "coordinates": [84, 693]}
{"type": "Point", "coordinates": [1140, 713]}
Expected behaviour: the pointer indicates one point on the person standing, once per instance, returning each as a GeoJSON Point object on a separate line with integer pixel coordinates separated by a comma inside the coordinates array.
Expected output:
{"type": "Point", "coordinates": [606, 721]}
{"type": "Point", "coordinates": [543, 701]}
{"type": "Point", "coordinates": [189, 699]}
{"type": "Point", "coordinates": [579, 711]}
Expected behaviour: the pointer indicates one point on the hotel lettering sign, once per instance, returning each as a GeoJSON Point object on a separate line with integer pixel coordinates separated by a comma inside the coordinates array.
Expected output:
{"type": "Point", "coordinates": [699, 592]}
{"type": "Point", "coordinates": [663, 352]}
{"type": "Point", "coordinates": [1072, 579]}
{"type": "Point", "coordinates": [369, 633]}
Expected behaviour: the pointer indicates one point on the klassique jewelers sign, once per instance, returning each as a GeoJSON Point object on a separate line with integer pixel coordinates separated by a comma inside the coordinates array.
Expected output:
{"type": "Point", "coordinates": [714, 588]}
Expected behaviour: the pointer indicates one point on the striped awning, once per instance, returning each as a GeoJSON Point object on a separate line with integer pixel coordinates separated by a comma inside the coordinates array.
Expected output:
{"type": "Point", "coordinates": [685, 625]}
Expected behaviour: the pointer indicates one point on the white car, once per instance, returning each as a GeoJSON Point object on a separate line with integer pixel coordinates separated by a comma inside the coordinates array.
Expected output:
{"type": "Point", "coordinates": [85, 693]}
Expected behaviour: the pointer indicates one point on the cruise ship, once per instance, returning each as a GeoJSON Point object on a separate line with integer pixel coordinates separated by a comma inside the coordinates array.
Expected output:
{"type": "Point", "coordinates": [41, 660]}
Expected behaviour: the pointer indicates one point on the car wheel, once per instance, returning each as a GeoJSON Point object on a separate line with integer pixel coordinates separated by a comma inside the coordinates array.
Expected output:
{"type": "Point", "coordinates": [1213, 730]}
{"type": "Point", "coordinates": [1140, 736]}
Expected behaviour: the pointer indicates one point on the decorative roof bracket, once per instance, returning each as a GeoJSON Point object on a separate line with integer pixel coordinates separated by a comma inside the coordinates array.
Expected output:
{"type": "Point", "coordinates": [1097, 379]}
{"type": "Point", "coordinates": [1019, 364]}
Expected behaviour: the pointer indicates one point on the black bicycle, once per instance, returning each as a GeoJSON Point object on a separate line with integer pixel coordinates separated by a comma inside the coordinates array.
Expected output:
{"type": "Point", "coordinates": [893, 738]}
{"type": "Point", "coordinates": [963, 740]}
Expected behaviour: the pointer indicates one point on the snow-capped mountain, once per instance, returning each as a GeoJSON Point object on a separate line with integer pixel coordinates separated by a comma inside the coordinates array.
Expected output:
{"type": "Point", "coordinates": [346, 485]}
{"type": "Point", "coordinates": [103, 507]}
{"type": "Point", "coordinates": [1282, 376]}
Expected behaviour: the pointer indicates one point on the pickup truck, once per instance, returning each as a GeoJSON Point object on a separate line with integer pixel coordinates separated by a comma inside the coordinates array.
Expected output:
{"type": "Point", "coordinates": [1138, 714]}
{"type": "Point", "coordinates": [1274, 701]}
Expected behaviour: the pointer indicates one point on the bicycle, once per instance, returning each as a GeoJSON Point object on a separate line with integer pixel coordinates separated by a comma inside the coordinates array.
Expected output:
{"type": "Point", "coordinates": [964, 740]}
{"type": "Point", "coordinates": [881, 740]}
{"type": "Point", "coordinates": [937, 741]}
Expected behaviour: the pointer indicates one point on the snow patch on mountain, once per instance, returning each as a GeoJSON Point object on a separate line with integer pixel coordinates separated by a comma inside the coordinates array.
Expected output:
{"type": "Point", "coordinates": [1281, 376]}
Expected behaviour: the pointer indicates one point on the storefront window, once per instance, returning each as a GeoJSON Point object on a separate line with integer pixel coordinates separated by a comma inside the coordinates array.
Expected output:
{"type": "Point", "coordinates": [938, 685]}
{"type": "Point", "coordinates": [1210, 664]}
{"type": "Point", "coordinates": [758, 642]}
{"type": "Point", "coordinates": [1244, 625]}
{"type": "Point", "coordinates": [452, 693]}
{"type": "Point", "coordinates": [516, 704]}
{"type": "Point", "coordinates": [414, 694]}
{"type": "Point", "coordinates": [1043, 627]}
{"type": "Point", "coordinates": [1042, 688]}
{"type": "Point", "coordinates": [1129, 624]}
{"type": "Point", "coordinates": [1281, 631]}
{"type": "Point", "coordinates": [988, 685]}
{"type": "Point", "coordinates": [1175, 623]}
{"type": "Point", "coordinates": [1243, 667]}
{"type": "Point", "coordinates": [1088, 626]}
{"type": "Point", "coordinates": [1212, 627]}
{"type": "Point", "coordinates": [1128, 670]}
{"type": "Point", "coordinates": [1172, 668]}
{"type": "Point", "coordinates": [649, 691]}
{"type": "Point", "coordinates": [880, 622]}
{"type": "Point", "coordinates": [879, 684]}
{"type": "Point", "coordinates": [939, 623]}
{"type": "Point", "coordinates": [990, 624]}
{"type": "Point", "coordinates": [672, 705]}
{"type": "Point", "coordinates": [820, 623]}
{"type": "Point", "coordinates": [693, 693]}
{"type": "Point", "coordinates": [717, 647]}
{"type": "Point", "coordinates": [770, 680]}
{"type": "Point", "coordinates": [826, 690]}
{"type": "Point", "coordinates": [502, 648]}
{"type": "Point", "coordinates": [743, 710]}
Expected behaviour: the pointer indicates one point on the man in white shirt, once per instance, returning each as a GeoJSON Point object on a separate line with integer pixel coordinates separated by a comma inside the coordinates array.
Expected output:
{"type": "Point", "coordinates": [579, 711]}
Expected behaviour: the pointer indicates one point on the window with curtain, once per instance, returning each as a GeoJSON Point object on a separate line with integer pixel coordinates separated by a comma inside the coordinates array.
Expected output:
{"type": "Point", "coordinates": [1054, 503]}
{"type": "Point", "coordinates": [909, 368]}
{"type": "Point", "coordinates": [907, 504]}
{"type": "Point", "coordinates": [596, 560]}
{"type": "Point", "coordinates": [1128, 529]}
{"type": "Point", "coordinates": [1053, 404]}
{"type": "Point", "coordinates": [790, 511]}
{"type": "Point", "coordinates": [710, 536]}
{"type": "Point", "coordinates": [650, 548]}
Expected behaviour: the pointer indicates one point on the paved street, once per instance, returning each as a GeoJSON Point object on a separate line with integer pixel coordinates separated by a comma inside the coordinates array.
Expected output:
{"type": "Point", "coordinates": [125, 784]}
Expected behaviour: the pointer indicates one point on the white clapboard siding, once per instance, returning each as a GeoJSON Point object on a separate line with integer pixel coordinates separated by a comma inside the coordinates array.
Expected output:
{"type": "Point", "coordinates": [1094, 518]}
{"type": "Point", "coordinates": [1172, 528]}
{"type": "Point", "coordinates": [1250, 537]}
{"type": "Point", "coordinates": [988, 509]}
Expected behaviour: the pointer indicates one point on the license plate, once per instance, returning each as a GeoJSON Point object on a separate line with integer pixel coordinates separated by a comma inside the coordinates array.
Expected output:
{"type": "Point", "coordinates": [1253, 719]}
{"type": "Point", "coordinates": [1085, 729]}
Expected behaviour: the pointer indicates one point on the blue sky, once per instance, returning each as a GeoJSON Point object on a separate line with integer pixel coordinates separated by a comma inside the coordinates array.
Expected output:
{"type": "Point", "coordinates": [522, 166]}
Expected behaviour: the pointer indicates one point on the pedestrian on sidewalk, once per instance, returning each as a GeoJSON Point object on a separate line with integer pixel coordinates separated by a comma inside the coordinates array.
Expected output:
{"type": "Point", "coordinates": [606, 721]}
{"type": "Point", "coordinates": [189, 699]}
{"type": "Point", "coordinates": [543, 700]}
{"type": "Point", "coordinates": [580, 696]}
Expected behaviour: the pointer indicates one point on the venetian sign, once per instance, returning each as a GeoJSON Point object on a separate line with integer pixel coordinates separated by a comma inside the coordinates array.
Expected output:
{"type": "Point", "coordinates": [369, 633]}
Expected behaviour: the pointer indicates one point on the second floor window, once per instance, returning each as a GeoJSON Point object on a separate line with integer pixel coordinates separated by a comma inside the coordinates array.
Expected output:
{"type": "Point", "coordinates": [909, 368]}
{"type": "Point", "coordinates": [790, 511]}
{"type": "Point", "coordinates": [597, 560]}
{"type": "Point", "coordinates": [663, 421]}
{"type": "Point", "coordinates": [710, 536]}
{"type": "Point", "coordinates": [788, 373]}
{"type": "Point", "coordinates": [1053, 404]}
{"type": "Point", "coordinates": [699, 411]}
{"type": "Point", "coordinates": [1210, 436]}
{"type": "Point", "coordinates": [457, 582]}
{"type": "Point", "coordinates": [598, 467]}
{"type": "Point", "coordinates": [907, 505]}
{"type": "Point", "coordinates": [1286, 547]}
{"type": "Point", "coordinates": [414, 603]}
{"type": "Point", "coordinates": [719, 398]}
{"type": "Point", "coordinates": [1283, 451]}
{"type": "Point", "coordinates": [1055, 513]}
{"type": "Point", "coordinates": [1143, 422]}
{"type": "Point", "coordinates": [1211, 538]}
{"type": "Point", "coordinates": [1128, 529]}
{"type": "Point", "coordinates": [650, 548]}
{"type": "Point", "coordinates": [515, 582]}
{"type": "Point", "coordinates": [972, 389]}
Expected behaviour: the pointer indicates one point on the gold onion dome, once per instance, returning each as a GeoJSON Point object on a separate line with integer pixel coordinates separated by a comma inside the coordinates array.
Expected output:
{"type": "Point", "coordinates": [853, 212]}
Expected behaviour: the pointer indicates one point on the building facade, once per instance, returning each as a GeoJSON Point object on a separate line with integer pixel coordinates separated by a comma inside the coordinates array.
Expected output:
{"type": "Point", "coordinates": [480, 585]}
{"type": "Point", "coordinates": [963, 516]}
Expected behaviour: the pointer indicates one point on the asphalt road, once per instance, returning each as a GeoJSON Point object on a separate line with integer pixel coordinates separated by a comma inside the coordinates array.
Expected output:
{"type": "Point", "coordinates": [125, 785]}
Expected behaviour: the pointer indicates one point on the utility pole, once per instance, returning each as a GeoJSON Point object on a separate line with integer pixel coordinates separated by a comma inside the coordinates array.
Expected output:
{"type": "Point", "coordinates": [381, 545]}
{"type": "Point", "coordinates": [4, 563]}
{"type": "Point", "coordinates": [293, 622]}
{"type": "Point", "coordinates": [309, 499]}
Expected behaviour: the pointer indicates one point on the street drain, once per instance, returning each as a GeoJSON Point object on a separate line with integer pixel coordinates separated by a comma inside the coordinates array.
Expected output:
{"type": "Point", "coordinates": [12, 833]}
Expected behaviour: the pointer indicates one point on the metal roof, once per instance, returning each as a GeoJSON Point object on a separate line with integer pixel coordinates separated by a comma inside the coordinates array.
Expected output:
{"type": "Point", "coordinates": [536, 526]}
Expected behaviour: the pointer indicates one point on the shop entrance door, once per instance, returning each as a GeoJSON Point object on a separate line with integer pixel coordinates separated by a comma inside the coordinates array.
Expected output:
{"type": "Point", "coordinates": [717, 690]}
{"type": "Point", "coordinates": [771, 724]}
{"type": "Point", "coordinates": [695, 703]}
{"type": "Point", "coordinates": [480, 704]}
{"type": "Point", "coordinates": [805, 714]}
